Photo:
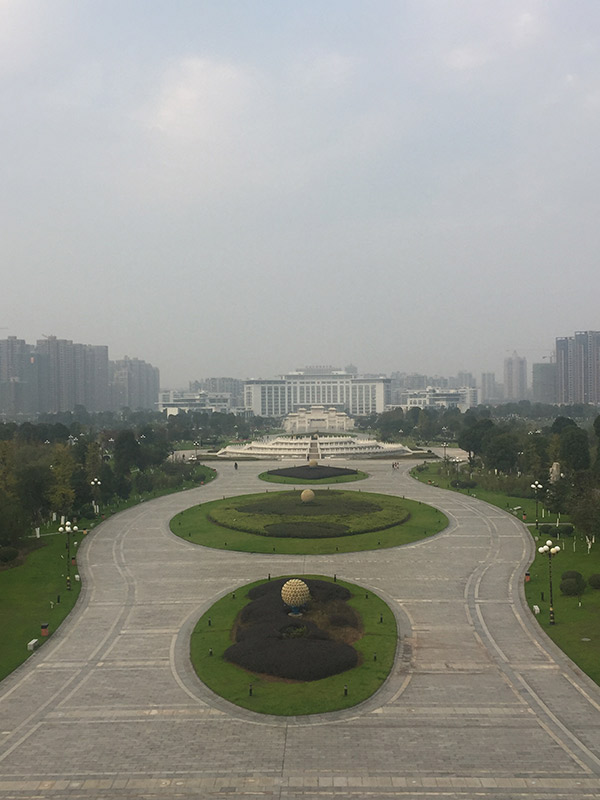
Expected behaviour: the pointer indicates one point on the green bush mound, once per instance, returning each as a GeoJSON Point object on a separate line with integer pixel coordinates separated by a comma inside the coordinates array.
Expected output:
{"type": "Point", "coordinates": [572, 583]}
{"type": "Point", "coordinates": [594, 581]}
{"type": "Point", "coordinates": [307, 473]}
{"type": "Point", "coordinates": [330, 514]}
{"type": "Point", "coordinates": [8, 554]}
{"type": "Point", "coordinates": [302, 648]}
{"type": "Point", "coordinates": [302, 530]}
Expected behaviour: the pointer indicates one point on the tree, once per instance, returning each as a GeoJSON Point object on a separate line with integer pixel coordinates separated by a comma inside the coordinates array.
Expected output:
{"type": "Point", "coordinates": [574, 449]}
{"type": "Point", "coordinates": [471, 437]}
{"type": "Point", "coordinates": [127, 452]}
{"type": "Point", "coordinates": [501, 451]}
{"type": "Point", "coordinates": [61, 494]}
{"type": "Point", "coordinates": [584, 505]}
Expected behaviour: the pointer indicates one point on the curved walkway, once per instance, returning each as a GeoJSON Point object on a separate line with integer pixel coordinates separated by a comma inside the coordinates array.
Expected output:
{"type": "Point", "coordinates": [480, 703]}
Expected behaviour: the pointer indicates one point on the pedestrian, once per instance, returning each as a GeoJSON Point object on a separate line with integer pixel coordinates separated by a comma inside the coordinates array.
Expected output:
{"type": "Point", "coordinates": [235, 464]}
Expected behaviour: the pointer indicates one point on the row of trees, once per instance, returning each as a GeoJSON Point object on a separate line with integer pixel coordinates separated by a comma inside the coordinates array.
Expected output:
{"type": "Point", "coordinates": [45, 469]}
{"type": "Point", "coordinates": [511, 447]}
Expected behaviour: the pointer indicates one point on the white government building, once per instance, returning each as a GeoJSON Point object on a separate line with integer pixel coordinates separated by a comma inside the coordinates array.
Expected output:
{"type": "Point", "coordinates": [317, 386]}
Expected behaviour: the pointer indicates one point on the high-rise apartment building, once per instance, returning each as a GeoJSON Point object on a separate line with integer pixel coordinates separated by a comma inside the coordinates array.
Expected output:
{"type": "Point", "coordinates": [135, 384]}
{"type": "Point", "coordinates": [578, 368]}
{"type": "Point", "coordinates": [15, 382]}
{"type": "Point", "coordinates": [488, 390]}
{"type": "Point", "coordinates": [543, 383]}
{"type": "Point", "coordinates": [515, 378]}
{"type": "Point", "coordinates": [57, 375]}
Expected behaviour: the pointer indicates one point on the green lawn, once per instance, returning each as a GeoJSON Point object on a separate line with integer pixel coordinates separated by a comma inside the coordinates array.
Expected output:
{"type": "Point", "coordinates": [438, 475]}
{"type": "Point", "coordinates": [27, 593]}
{"type": "Point", "coordinates": [574, 623]}
{"type": "Point", "coordinates": [195, 525]}
{"type": "Point", "coordinates": [286, 697]}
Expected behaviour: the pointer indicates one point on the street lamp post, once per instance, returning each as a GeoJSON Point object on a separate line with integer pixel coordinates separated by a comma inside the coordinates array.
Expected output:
{"type": "Point", "coordinates": [536, 486]}
{"type": "Point", "coordinates": [96, 483]}
{"type": "Point", "coordinates": [68, 529]}
{"type": "Point", "coordinates": [550, 550]}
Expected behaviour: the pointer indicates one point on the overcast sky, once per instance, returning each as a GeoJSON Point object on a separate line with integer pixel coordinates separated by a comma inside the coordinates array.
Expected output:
{"type": "Point", "coordinates": [242, 188]}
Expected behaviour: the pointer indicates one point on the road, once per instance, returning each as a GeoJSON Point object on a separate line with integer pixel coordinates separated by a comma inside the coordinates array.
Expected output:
{"type": "Point", "coordinates": [479, 704]}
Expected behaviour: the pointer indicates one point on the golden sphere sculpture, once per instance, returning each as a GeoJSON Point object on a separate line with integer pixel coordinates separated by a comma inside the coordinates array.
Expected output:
{"type": "Point", "coordinates": [295, 593]}
{"type": "Point", "coordinates": [307, 496]}
{"type": "Point", "coordinates": [313, 463]}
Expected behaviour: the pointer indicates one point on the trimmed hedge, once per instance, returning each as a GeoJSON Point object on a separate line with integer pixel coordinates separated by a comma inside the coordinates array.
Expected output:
{"type": "Point", "coordinates": [330, 514]}
{"type": "Point", "coordinates": [8, 554]}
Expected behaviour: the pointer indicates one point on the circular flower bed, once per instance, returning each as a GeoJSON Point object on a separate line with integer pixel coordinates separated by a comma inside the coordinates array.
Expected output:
{"type": "Point", "coordinates": [337, 654]}
{"type": "Point", "coordinates": [330, 514]}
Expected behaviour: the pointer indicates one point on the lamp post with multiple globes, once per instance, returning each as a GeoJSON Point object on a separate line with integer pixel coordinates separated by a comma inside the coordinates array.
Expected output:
{"type": "Point", "coordinates": [550, 550]}
{"type": "Point", "coordinates": [68, 529]}
{"type": "Point", "coordinates": [96, 483]}
{"type": "Point", "coordinates": [536, 486]}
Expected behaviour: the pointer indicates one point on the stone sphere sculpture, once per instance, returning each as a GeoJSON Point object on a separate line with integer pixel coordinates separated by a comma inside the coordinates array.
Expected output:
{"type": "Point", "coordinates": [295, 593]}
{"type": "Point", "coordinates": [307, 496]}
{"type": "Point", "coordinates": [313, 463]}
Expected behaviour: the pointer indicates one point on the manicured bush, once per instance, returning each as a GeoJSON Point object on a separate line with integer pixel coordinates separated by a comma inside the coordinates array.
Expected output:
{"type": "Point", "coordinates": [8, 554]}
{"type": "Point", "coordinates": [594, 581]}
{"type": "Point", "coordinates": [547, 530]}
{"type": "Point", "coordinates": [331, 513]}
{"type": "Point", "coordinates": [566, 530]}
{"type": "Point", "coordinates": [572, 573]}
{"type": "Point", "coordinates": [573, 583]}
{"type": "Point", "coordinates": [463, 483]}
{"type": "Point", "coordinates": [571, 587]}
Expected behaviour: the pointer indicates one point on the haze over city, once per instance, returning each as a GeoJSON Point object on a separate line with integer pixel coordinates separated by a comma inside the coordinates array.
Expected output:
{"type": "Point", "coordinates": [244, 188]}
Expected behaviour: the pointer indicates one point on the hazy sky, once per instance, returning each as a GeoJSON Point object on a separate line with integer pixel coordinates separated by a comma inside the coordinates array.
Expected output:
{"type": "Point", "coordinates": [242, 188]}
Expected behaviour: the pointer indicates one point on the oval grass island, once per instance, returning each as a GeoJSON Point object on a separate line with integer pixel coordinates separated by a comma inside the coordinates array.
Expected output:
{"type": "Point", "coordinates": [334, 521]}
{"type": "Point", "coordinates": [340, 614]}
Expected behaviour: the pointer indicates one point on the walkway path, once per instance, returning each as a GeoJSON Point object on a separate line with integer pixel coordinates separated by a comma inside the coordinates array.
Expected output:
{"type": "Point", "coordinates": [480, 703]}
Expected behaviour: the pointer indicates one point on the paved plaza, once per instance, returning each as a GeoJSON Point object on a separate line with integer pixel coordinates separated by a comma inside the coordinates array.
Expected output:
{"type": "Point", "coordinates": [480, 704]}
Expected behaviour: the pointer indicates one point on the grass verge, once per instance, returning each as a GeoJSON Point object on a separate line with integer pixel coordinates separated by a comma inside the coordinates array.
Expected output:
{"type": "Point", "coordinates": [28, 599]}
{"type": "Point", "coordinates": [577, 628]}
{"type": "Point", "coordinates": [286, 698]}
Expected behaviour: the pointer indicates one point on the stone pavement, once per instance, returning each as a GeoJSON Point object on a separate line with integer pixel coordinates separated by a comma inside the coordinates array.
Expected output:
{"type": "Point", "coordinates": [480, 703]}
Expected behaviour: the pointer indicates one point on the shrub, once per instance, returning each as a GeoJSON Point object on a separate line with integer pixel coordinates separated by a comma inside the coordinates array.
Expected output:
{"type": "Point", "coordinates": [566, 530]}
{"type": "Point", "coordinates": [594, 581]}
{"type": "Point", "coordinates": [573, 583]}
{"type": "Point", "coordinates": [8, 554]}
{"type": "Point", "coordinates": [571, 587]}
{"type": "Point", "coordinates": [462, 483]}
{"type": "Point", "coordinates": [546, 530]}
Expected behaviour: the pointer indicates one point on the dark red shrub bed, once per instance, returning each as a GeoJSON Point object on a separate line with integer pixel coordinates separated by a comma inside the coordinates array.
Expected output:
{"type": "Point", "coordinates": [306, 473]}
{"type": "Point", "coordinates": [303, 648]}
